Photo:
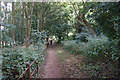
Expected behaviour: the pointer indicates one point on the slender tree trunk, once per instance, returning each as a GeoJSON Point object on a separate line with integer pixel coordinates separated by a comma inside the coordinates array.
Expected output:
{"type": "Point", "coordinates": [22, 24]}
{"type": "Point", "coordinates": [13, 22]}
{"type": "Point", "coordinates": [19, 23]}
{"type": "Point", "coordinates": [28, 27]}
{"type": "Point", "coordinates": [0, 31]}
{"type": "Point", "coordinates": [41, 22]}
{"type": "Point", "coordinates": [2, 42]}
{"type": "Point", "coordinates": [26, 23]}
{"type": "Point", "coordinates": [9, 21]}
{"type": "Point", "coordinates": [37, 18]}
{"type": "Point", "coordinates": [5, 42]}
{"type": "Point", "coordinates": [30, 24]}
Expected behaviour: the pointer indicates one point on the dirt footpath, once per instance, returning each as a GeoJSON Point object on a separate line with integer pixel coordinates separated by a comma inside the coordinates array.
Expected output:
{"type": "Point", "coordinates": [52, 68]}
{"type": "Point", "coordinates": [61, 64]}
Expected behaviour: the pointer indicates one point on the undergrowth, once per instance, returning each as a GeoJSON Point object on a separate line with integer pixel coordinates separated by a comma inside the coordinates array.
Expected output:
{"type": "Point", "coordinates": [101, 55]}
{"type": "Point", "coordinates": [14, 60]}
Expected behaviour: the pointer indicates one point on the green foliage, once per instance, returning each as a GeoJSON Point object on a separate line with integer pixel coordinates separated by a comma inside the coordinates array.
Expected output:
{"type": "Point", "coordinates": [100, 54]}
{"type": "Point", "coordinates": [71, 45]}
{"type": "Point", "coordinates": [105, 17]}
{"type": "Point", "coordinates": [101, 48]}
{"type": "Point", "coordinates": [59, 19]}
{"type": "Point", "coordinates": [97, 48]}
{"type": "Point", "coordinates": [38, 37]}
{"type": "Point", "coordinates": [82, 36]}
{"type": "Point", "coordinates": [14, 60]}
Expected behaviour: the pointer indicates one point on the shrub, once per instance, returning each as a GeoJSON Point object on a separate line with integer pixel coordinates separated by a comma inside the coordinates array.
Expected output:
{"type": "Point", "coordinates": [71, 45]}
{"type": "Point", "coordinates": [100, 54]}
{"type": "Point", "coordinates": [100, 48]}
{"type": "Point", "coordinates": [14, 60]}
{"type": "Point", "coordinates": [97, 47]}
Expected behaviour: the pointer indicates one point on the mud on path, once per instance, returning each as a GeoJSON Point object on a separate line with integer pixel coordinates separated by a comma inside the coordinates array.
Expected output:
{"type": "Point", "coordinates": [52, 68]}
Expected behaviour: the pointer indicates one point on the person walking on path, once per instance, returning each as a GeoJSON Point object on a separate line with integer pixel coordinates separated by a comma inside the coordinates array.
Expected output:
{"type": "Point", "coordinates": [51, 42]}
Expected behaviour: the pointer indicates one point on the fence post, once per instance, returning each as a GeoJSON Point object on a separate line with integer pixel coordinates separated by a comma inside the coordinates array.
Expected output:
{"type": "Point", "coordinates": [28, 71]}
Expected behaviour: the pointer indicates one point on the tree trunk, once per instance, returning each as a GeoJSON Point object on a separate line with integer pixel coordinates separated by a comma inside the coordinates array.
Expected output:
{"type": "Point", "coordinates": [26, 23]}
{"type": "Point", "coordinates": [85, 21]}
{"type": "Point", "coordinates": [41, 22]}
{"type": "Point", "coordinates": [89, 27]}
{"type": "Point", "coordinates": [13, 22]}
{"type": "Point", "coordinates": [0, 31]}
{"type": "Point", "coordinates": [30, 24]}
{"type": "Point", "coordinates": [10, 21]}
{"type": "Point", "coordinates": [19, 23]}
{"type": "Point", "coordinates": [22, 24]}
{"type": "Point", "coordinates": [81, 18]}
{"type": "Point", "coordinates": [5, 42]}
{"type": "Point", "coordinates": [37, 18]}
{"type": "Point", "coordinates": [28, 27]}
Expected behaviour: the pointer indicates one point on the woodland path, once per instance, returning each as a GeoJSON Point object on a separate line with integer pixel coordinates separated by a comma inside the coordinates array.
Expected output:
{"type": "Point", "coordinates": [62, 64]}
{"type": "Point", "coordinates": [52, 67]}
